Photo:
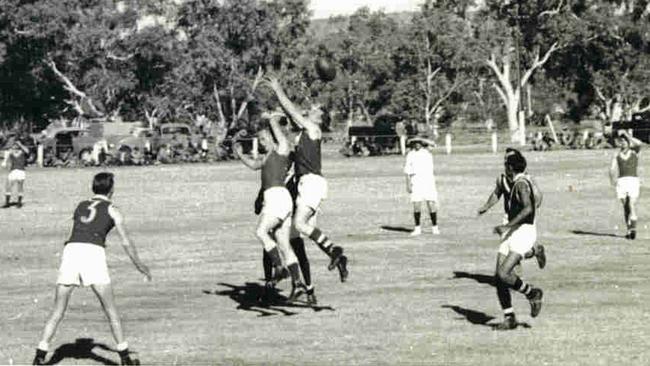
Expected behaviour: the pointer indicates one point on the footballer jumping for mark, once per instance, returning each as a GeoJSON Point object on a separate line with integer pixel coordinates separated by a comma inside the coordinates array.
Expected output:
{"type": "Point", "coordinates": [312, 186]}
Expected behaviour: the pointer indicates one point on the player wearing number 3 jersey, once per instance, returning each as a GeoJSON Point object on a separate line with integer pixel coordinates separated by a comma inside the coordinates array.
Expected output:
{"type": "Point", "coordinates": [83, 263]}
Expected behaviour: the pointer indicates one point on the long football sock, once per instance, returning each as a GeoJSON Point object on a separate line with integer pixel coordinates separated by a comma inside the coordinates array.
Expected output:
{"type": "Point", "coordinates": [294, 271]}
{"type": "Point", "coordinates": [626, 211]}
{"type": "Point", "coordinates": [321, 240]}
{"type": "Point", "coordinates": [274, 255]}
{"type": "Point", "coordinates": [503, 293]}
{"type": "Point", "coordinates": [268, 266]}
{"type": "Point", "coordinates": [416, 218]}
{"type": "Point", "coordinates": [7, 199]}
{"type": "Point", "coordinates": [434, 218]}
{"type": "Point", "coordinates": [522, 287]}
{"type": "Point", "coordinates": [20, 199]}
{"type": "Point", "coordinates": [298, 246]}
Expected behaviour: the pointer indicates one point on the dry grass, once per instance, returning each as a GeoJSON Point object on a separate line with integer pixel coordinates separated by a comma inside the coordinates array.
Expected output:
{"type": "Point", "coordinates": [403, 303]}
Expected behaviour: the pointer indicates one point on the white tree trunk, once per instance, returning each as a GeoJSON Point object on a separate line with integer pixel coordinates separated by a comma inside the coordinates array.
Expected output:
{"type": "Point", "coordinates": [510, 92]}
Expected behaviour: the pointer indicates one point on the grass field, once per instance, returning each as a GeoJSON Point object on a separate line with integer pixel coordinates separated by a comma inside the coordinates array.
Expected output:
{"type": "Point", "coordinates": [425, 300]}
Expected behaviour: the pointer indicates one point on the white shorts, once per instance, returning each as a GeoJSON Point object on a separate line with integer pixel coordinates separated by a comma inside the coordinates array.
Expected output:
{"type": "Point", "coordinates": [627, 186]}
{"type": "Point", "coordinates": [277, 203]}
{"type": "Point", "coordinates": [424, 191]}
{"type": "Point", "coordinates": [312, 189]}
{"type": "Point", "coordinates": [83, 264]}
{"type": "Point", "coordinates": [519, 240]}
{"type": "Point", "coordinates": [16, 175]}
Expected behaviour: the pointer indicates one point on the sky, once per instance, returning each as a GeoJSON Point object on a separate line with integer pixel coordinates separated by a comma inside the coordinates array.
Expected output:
{"type": "Point", "coordinates": [327, 8]}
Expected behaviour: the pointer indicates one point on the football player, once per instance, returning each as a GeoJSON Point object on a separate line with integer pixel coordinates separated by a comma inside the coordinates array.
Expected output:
{"type": "Point", "coordinates": [312, 186]}
{"type": "Point", "coordinates": [15, 160]}
{"type": "Point", "coordinates": [83, 263]}
{"type": "Point", "coordinates": [518, 237]}
{"type": "Point", "coordinates": [277, 204]}
{"type": "Point", "coordinates": [624, 176]}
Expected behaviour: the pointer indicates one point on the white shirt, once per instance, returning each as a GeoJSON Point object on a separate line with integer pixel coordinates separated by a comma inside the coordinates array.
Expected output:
{"type": "Point", "coordinates": [419, 165]}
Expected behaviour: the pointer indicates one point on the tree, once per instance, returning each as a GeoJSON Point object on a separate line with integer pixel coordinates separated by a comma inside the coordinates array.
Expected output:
{"type": "Point", "coordinates": [435, 59]}
{"type": "Point", "coordinates": [364, 52]}
{"type": "Point", "coordinates": [517, 39]}
{"type": "Point", "coordinates": [229, 46]}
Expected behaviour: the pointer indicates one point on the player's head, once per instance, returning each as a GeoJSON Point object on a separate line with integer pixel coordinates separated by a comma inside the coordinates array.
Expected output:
{"type": "Point", "coordinates": [416, 144]}
{"type": "Point", "coordinates": [515, 162]}
{"type": "Point", "coordinates": [623, 142]}
{"type": "Point", "coordinates": [266, 139]}
{"type": "Point", "coordinates": [315, 113]}
{"type": "Point", "coordinates": [103, 183]}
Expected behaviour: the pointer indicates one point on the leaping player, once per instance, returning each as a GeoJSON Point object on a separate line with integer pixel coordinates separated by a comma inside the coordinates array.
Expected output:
{"type": "Point", "coordinates": [278, 205]}
{"type": "Point", "coordinates": [623, 173]}
{"type": "Point", "coordinates": [312, 186]}
{"type": "Point", "coordinates": [83, 263]}
{"type": "Point", "coordinates": [15, 160]}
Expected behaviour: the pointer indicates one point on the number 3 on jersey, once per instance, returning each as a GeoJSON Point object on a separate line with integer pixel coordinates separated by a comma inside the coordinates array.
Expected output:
{"type": "Point", "coordinates": [91, 215]}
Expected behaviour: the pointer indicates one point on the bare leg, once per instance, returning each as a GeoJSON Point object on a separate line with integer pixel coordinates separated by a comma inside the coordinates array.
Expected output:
{"type": "Point", "coordinates": [61, 298]}
{"type": "Point", "coordinates": [105, 295]}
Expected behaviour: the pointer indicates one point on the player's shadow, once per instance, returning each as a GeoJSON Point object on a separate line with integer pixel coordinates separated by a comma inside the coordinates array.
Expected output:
{"type": "Point", "coordinates": [400, 229]}
{"type": "Point", "coordinates": [266, 302]}
{"type": "Point", "coordinates": [478, 317]}
{"type": "Point", "coordinates": [81, 349]}
{"type": "Point", "coordinates": [480, 278]}
{"type": "Point", "coordinates": [593, 233]}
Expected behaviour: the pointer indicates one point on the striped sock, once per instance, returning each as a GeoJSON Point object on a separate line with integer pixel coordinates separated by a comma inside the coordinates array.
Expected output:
{"type": "Point", "coordinates": [321, 240]}
{"type": "Point", "coordinates": [522, 287]}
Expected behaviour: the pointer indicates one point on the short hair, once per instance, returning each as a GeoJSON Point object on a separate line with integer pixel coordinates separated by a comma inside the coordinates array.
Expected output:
{"type": "Point", "coordinates": [103, 183]}
{"type": "Point", "coordinates": [516, 160]}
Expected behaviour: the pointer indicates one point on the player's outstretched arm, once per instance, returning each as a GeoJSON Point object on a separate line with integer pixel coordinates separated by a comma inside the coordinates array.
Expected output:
{"type": "Point", "coordinates": [283, 142]}
{"type": "Point", "coordinates": [254, 164]}
{"type": "Point", "coordinates": [287, 105]}
{"type": "Point", "coordinates": [129, 248]}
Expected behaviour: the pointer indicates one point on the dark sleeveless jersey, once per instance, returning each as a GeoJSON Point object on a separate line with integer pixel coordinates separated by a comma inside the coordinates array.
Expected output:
{"type": "Point", "coordinates": [504, 187]}
{"type": "Point", "coordinates": [17, 162]}
{"type": "Point", "coordinates": [516, 205]}
{"type": "Point", "coordinates": [308, 157]}
{"type": "Point", "coordinates": [92, 222]}
{"type": "Point", "coordinates": [628, 167]}
{"type": "Point", "coordinates": [274, 171]}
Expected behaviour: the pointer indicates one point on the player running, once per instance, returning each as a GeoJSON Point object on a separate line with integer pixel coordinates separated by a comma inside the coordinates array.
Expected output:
{"type": "Point", "coordinates": [623, 173]}
{"type": "Point", "coordinates": [312, 186]}
{"type": "Point", "coordinates": [15, 160]}
{"type": "Point", "coordinates": [278, 206]}
{"type": "Point", "coordinates": [421, 183]}
{"type": "Point", "coordinates": [83, 263]}
{"type": "Point", "coordinates": [503, 188]}
{"type": "Point", "coordinates": [517, 238]}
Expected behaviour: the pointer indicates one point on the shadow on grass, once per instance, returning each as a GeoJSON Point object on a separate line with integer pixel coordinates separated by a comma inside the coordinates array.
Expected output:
{"type": "Point", "coordinates": [592, 233]}
{"type": "Point", "coordinates": [400, 229]}
{"type": "Point", "coordinates": [81, 349]}
{"type": "Point", "coordinates": [478, 317]}
{"type": "Point", "coordinates": [480, 278]}
{"type": "Point", "coordinates": [256, 298]}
